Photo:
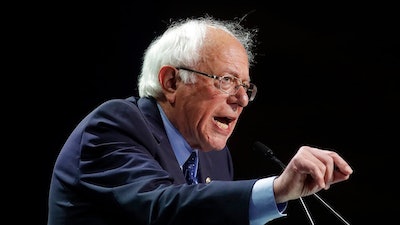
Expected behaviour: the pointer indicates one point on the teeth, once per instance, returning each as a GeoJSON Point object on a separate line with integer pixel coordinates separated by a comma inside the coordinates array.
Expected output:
{"type": "Point", "coordinates": [222, 125]}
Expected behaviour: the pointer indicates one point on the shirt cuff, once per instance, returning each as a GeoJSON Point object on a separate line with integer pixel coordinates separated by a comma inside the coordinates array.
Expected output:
{"type": "Point", "coordinates": [263, 207]}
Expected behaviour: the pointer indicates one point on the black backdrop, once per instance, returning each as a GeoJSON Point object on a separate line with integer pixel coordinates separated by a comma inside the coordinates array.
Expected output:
{"type": "Point", "coordinates": [327, 76]}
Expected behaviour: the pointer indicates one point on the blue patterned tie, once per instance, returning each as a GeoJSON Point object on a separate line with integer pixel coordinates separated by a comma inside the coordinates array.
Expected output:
{"type": "Point", "coordinates": [189, 169]}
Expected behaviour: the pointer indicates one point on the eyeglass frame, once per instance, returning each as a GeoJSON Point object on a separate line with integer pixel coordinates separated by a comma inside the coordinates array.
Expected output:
{"type": "Point", "coordinates": [249, 88]}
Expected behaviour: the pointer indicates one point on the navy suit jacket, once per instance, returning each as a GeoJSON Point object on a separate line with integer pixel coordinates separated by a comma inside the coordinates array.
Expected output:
{"type": "Point", "coordinates": [118, 167]}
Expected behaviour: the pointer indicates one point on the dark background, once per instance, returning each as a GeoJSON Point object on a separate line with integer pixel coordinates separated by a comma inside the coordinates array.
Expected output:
{"type": "Point", "coordinates": [327, 76]}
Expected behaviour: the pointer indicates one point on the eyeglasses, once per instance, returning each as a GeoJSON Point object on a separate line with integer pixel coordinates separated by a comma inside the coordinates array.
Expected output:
{"type": "Point", "coordinates": [229, 84]}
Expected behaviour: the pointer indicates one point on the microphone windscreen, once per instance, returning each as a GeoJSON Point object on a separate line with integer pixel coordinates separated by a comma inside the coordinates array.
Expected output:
{"type": "Point", "coordinates": [260, 147]}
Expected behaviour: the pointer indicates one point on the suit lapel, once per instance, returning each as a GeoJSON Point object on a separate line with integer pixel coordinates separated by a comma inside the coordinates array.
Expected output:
{"type": "Point", "coordinates": [164, 153]}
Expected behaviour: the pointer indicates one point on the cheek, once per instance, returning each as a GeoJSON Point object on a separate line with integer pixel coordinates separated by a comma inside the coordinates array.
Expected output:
{"type": "Point", "coordinates": [201, 114]}
{"type": "Point", "coordinates": [201, 105]}
{"type": "Point", "coordinates": [205, 97]}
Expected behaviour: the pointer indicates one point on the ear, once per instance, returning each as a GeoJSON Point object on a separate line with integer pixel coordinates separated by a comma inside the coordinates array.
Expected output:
{"type": "Point", "coordinates": [169, 79]}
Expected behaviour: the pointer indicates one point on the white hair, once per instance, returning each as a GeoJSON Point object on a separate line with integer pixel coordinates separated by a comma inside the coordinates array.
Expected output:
{"type": "Point", "coordinates": [180, 45]}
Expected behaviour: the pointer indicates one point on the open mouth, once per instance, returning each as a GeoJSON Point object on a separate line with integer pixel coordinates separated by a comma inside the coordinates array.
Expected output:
{"type": "Point", "coordinates": [223, 122]}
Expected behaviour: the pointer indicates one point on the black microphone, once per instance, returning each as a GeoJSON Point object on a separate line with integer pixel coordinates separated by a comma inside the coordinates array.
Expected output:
{"type": "Point", "coordinates": [261, 148]}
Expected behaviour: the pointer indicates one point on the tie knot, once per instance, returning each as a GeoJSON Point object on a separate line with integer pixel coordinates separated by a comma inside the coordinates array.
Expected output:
{"type": "Point", "coordinates": [192, 157]}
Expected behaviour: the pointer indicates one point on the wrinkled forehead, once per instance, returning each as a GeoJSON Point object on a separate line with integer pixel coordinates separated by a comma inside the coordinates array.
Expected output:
{"type": "Point", "coordinates": [222, 50]}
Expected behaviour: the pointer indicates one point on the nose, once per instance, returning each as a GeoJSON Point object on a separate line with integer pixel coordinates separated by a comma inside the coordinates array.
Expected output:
{"type": "Point", "coordinates": [241, 96]}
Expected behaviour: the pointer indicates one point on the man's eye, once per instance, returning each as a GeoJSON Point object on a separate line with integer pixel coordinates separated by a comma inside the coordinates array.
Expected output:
{"type": "Point", "coordinates": [227, 79]}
